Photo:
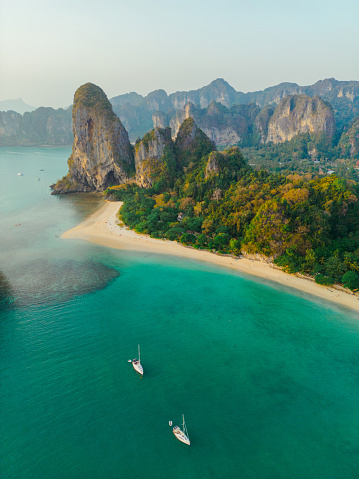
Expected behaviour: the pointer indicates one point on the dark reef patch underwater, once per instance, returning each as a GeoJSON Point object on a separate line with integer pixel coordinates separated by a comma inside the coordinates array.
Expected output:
{"type": "Point", "coordinates": [48, 282]}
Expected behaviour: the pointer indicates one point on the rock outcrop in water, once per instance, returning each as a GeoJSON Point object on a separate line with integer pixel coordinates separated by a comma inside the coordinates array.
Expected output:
{"type": "Point", "coordinates": [101, 153]}
{"type": "Point", "coordinates": [300, 114]}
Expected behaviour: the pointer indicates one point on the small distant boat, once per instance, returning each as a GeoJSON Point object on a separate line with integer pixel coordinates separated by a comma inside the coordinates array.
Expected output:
{"type": "Point", "coordinates": [136, 363]}
{"type": "Point", "coordinates": [20, 174]}
{"type": "Point", "coordinates": [182, 434]}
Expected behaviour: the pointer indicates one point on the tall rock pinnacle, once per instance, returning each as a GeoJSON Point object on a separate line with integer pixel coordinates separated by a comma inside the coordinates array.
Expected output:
{"type": "Point", "coordinates": [101, 152]}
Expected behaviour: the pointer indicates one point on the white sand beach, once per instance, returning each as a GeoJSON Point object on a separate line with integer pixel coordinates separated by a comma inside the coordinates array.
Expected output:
{"type": "Point", "coordinates": [103, 228]}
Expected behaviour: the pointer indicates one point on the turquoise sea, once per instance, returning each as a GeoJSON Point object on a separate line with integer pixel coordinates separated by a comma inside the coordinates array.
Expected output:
{"type": "Point", "coordinates": [268, 379]}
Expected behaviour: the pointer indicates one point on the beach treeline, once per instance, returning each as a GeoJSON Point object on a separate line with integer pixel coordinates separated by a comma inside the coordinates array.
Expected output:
{"type": "Point", "coordinates": [216, 201]}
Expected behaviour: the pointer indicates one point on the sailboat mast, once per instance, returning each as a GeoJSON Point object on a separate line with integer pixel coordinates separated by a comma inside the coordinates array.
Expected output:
{"type": "Point", "coordinates": [139, 354]}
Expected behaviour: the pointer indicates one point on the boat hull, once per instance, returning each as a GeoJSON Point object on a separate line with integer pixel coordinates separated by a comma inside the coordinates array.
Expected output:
{"type": "Point", "coordinates": [181, 436]}
{"type": "Point", "coordinates": [137, 366]}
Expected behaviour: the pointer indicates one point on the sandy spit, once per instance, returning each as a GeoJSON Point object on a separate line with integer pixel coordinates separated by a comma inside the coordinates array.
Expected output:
{"type": "Point", "coordinates": [103, 228]}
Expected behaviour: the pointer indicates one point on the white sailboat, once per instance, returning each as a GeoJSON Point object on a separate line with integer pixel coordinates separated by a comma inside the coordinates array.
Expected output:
{"type": "Point", "coordinates": [182, 434]}
{"type": "Point", "coordinates": [136, 363]}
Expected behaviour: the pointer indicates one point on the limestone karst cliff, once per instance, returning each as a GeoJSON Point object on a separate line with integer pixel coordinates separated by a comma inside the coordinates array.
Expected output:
{"type": "Point", "coordinates": [225, 126]}
{"type": "Point", "coordinates": [101, 153]}
{"type": "Point", "coordinates": [160, 119]}
{"type": "Point", "coordinates": [212, 166]}
{"type": "Point", "coordinates": [191, 142]}
{"type": "Point", "coordinates": [157, 157]}
{"type": "Point", "coordinates": [300, 114]}
{"type": "Point", "coordinates": [227, 163]}
{"type": "Point", "coordinates": [152, 156]}
{"type": "Point", "coordinates": [135, 111]}
{"type": "Point", "coordinates": [189, 111]}
{"type": "Point", "coordinates": [138, 113]}
{"type": "Point", "coordinates": [103, 156]}
{"type": "Point", "coordinates": [349, 141]}
{"type": "Point", "coordinates": [261, 123]}
{"type": "Point", "coordinates": [43, 126]}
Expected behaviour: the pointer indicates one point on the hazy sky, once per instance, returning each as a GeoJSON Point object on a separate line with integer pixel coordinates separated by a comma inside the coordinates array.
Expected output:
{"type": "Point", "coordinates": [49, 48]}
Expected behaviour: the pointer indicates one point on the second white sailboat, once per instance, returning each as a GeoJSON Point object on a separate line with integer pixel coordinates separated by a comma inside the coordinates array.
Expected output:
{"type": "Point", "coordinates": [136, 363]}
{"type": "Point", "coordinates": [182, 434]}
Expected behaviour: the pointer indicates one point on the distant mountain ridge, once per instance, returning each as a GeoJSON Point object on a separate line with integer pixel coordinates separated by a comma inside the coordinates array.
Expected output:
{"type": "Point", "coordinates": [18, 105]}
{"type": "Point", "coordinates": [135, 111]}
{"type": "Point", "coordinates": [221, 91]}
{"type": "Point", "coordinates": [228, 117]}
{"type": "Point", "coordinates": [43, 126]}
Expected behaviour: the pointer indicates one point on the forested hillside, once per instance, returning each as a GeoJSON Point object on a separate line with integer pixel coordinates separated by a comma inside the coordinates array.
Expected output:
{"type": "Point", "coordinates": [217, 201]}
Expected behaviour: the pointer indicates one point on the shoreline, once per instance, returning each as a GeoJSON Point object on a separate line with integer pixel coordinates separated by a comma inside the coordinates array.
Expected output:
{"type": "Point", "coordinates": [103, 228]}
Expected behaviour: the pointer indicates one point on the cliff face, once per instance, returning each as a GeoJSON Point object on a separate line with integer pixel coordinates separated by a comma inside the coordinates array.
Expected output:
{"type": "Point", "coordinates": [230, 160]}
{"type": "Point", "coordinates": [219, 91]}
{"type": "Point", "coordinates": [158, 157]}
{"type": "Point", "coordinates": [300, 114]}
{"type": "Point", "coordinates": [224, 126]}
{"type": "Point", "coordinates": [138, 113]}
{"type": "Point", "coordinates": [101, 152]}
{"type": "Point", "coordinates": [149, 156]}
{"type": "Point", "coordinates": [212, 166]}
{"type": "Point", "coordinates": [160, 119]}
{"type": "Point", "coordinates": [189, 111]}
{"type": "Point", "coordinates": [43, 126]}
{"type": "Point", "coordinates": [191, 142]}
{"type": "Point", "coordinates": [349, 141]}
{"type": "Point", "coordinates": [261, 122]}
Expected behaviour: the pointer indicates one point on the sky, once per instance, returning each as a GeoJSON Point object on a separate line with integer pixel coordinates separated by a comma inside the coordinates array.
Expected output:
{"type": "Point", "coordinates": [50, 48]}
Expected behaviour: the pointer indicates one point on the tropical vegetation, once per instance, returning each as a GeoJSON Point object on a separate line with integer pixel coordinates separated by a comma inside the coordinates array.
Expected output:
{"type": "Point", "coordinates": [216, 201]}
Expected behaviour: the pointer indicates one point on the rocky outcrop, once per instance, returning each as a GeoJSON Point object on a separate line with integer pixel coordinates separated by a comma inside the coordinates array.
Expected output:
{"type": "Point", "coordinates": [43, 126]}
{"type": "Point", "coordinates": [219, 91]}
{"type": "Point", "coordinates": [189, 111]}
{"type": "Point", "coordinates": [300, 114]}
{"type": "Point", "coordinates": [149, 156]}
{"type": "Point", "coordinates": [273, 94]}
{"type": "Point", "coordinates": [135, 111]}
{"type": "Point", "coordinates": [192, 142]}
{"type": "Point", "coordinates": [101, 153]}
{"type": "Point", "coordinates": [228, 126]}
{"type": "Point", "coordinates": [225, 162]}
{"type": "Point", "coordinates": [224, 126]}
{"type": "Point", "coordinates": [160, 119]}
{"type": "Point", "coordinates": [157, 100]}
{"type": "Point", "coordinates": [331, 88]}
{"type": "Point", "coordinates": [157, 157]}
{"type": "Point", "coordinates": [349, 141]}
{"type": "Point", "coordinates": [261, 123]}
{"type": "Point", "coordinates": [212, 166]}
{"type": "Point", "coordinates": [187, 134]}
{"type": "Point", "coordinates": [138, 113]}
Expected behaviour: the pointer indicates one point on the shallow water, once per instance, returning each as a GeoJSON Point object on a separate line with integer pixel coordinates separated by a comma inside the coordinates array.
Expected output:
{"type": "Point", "coordinates": [267, 379]}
